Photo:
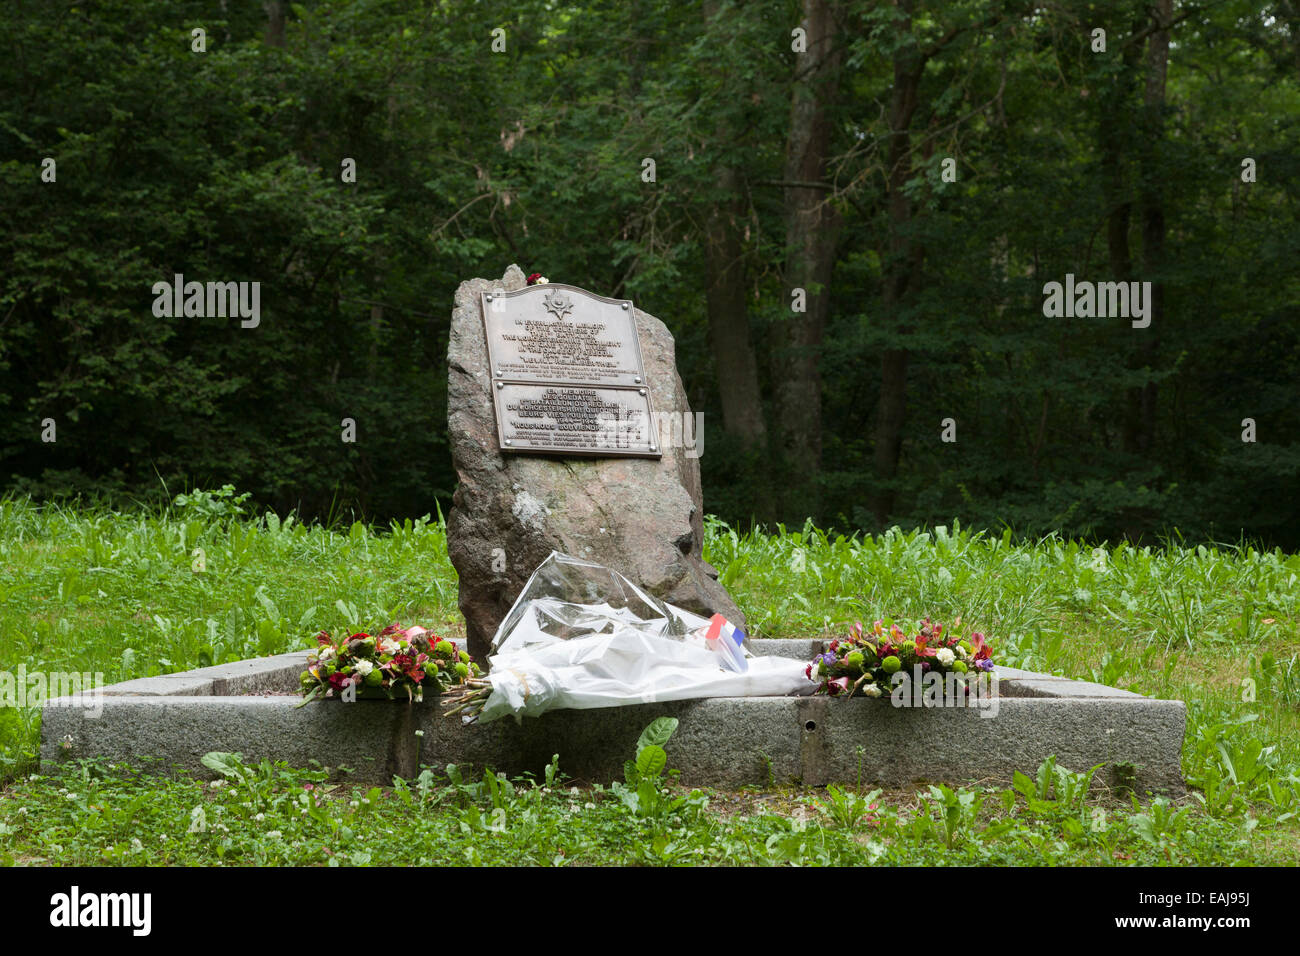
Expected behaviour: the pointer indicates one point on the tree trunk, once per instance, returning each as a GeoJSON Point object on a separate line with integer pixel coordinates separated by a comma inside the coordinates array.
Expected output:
{"type": "Point", "coordinates": [274, 22]}
{"type": "Point", "coordinates": [1114, 129]}
{"type": "Point", "coordinates": [729, 334]}
{"type": "Point", "coordinates": [902, 266]}
{"type": "Point", "coordinates": [1153, 222]}
{"type": "Point", "coordinates": [812, 227]}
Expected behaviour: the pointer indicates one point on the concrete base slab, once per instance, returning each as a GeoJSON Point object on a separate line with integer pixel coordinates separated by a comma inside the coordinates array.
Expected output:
{"type": "Point", "coordinates": [724, 742]}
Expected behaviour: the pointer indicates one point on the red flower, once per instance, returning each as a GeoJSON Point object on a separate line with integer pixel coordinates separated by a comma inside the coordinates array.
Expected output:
{"type": "Point", "coordinates": [532, 279]}
{"type": "Point", "coordinates": [360, 636]}
{"type": "Point", "coordinates": [835, 687]}
{"type": "Point", "coordinates": [390, 629]}
{"type": "Point", "coordinates": [339, 681]}
{"type": "Point", "coordinates": [323, 638]}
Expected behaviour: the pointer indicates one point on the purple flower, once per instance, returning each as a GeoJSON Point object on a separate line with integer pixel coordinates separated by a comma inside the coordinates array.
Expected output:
{"type": "Point", "coordinates": [830, 660]}
{"type": "Point", "coordinates": [984, 665]}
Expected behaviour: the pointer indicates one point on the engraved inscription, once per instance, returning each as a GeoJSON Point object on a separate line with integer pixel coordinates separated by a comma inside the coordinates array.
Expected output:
{"type": "Point", "coordinates": [593, 342]}
{"type": "Point", "coordinates": [554, 350]}
{"type": "Point", "coordinates": [585, 420]}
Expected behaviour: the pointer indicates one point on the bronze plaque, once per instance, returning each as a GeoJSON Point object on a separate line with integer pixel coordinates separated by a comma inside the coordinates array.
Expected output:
{"type": "Point", "coordinates": [567, 375]}
{"type": "Point", "coordinates": [575, 420]}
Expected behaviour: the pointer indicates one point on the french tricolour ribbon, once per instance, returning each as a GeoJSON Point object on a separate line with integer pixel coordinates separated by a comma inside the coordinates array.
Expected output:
{"type": "Point", "coordinates": [720, 627]}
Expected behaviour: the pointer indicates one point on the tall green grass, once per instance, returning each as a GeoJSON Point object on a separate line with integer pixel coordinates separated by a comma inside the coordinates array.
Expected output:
{"type": "Point", "coordinates": [118, 593]}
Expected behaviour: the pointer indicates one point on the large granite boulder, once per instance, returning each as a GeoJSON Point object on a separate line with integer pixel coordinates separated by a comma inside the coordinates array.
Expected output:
{"type": "Point", "coordinates": [640, 516]}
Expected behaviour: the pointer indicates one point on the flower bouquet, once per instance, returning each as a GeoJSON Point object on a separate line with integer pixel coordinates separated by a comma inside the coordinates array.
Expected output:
{"type": "Point", "coordinates": [398, 663]}
{"type": "Point", "coordinates": [865, 662]}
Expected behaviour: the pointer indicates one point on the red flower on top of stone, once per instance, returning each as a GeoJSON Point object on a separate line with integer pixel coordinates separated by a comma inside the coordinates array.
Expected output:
{"type": "Point", "coordinates": [537, 279]}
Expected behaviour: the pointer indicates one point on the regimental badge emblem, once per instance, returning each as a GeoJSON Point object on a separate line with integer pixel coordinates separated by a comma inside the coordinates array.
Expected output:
{"type": "Point", "coordinates": [558, 303]}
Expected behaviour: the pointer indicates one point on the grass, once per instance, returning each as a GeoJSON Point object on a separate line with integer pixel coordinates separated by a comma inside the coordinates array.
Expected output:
{"type": "Point", "coordinates": [136, 594]}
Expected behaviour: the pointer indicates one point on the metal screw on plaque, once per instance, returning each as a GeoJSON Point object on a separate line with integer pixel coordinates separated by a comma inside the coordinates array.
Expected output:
{"type": "Point", "coordinates": [507, 441]}
{"type": "Point", "coordinates": [640, 391]}
{"type": "Point", "coordinates": [488, 297]}
{"type": "Point", "coordinates": [638, 379]}
{"type": "Point", "coordinates": [627, 305]}
{"type": "Point", "coordinates": [501, 384]}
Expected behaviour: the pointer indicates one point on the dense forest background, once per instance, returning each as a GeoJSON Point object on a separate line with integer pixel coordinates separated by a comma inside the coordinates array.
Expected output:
{"type": "Point", "coordinates": [919, 170]}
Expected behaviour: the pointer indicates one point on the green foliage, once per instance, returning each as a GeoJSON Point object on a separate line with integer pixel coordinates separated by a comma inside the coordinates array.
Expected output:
{"type": "Point", "coordinates": [225, 166]}
{"type": "Point", "coordinates": [88, 813]}
{"type": "Point", "coordinates": [642, 791]}
{"type": "Point", "coordinates": [847, 809]}
{"type": "Point", "coordinates": [96, 590]}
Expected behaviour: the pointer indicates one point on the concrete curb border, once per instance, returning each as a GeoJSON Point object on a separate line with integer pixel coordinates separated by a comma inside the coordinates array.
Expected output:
{"type": "Point", "coordinates": [175, 719]}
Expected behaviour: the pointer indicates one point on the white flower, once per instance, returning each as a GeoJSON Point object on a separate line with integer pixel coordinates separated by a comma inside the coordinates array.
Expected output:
{"type": "Point", "coordinates": [542, 280]}
{"type": "Point", "coordinates": [364, 667]}
{"type": "Point", "coordinates": [325, 653]}
{"type": "Point", "coordinates": [871, 690]}
{"type": "Point", "coordinates": [944, 656]}
{"type": "Point", "coordinates": [388, 646]}
{"type": "Point", "coordinates": [962, 653]}
{"type": "Point", "coordinates": [198, 820]}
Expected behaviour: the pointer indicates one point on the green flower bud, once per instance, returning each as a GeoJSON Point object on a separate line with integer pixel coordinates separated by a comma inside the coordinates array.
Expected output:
{"type": "Point", "coordinates": [959, 666]}
{"type": "Point", "coordinates": [462, 671]}
{"type": "Point", "coordinates": [464, 657]}
{"type": "Point", "coordinates": [374, 678]}
{"type": "Point", "coordinates": [891, 664]}
{"type": "Point", "coordinates": [443, 649]}
{"type": "Point", "coordinates": [854, 659]}
{"type": "Point", "coordinates": [965, 646]}
{"type": "Point", "coordinates": [431, 668]}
